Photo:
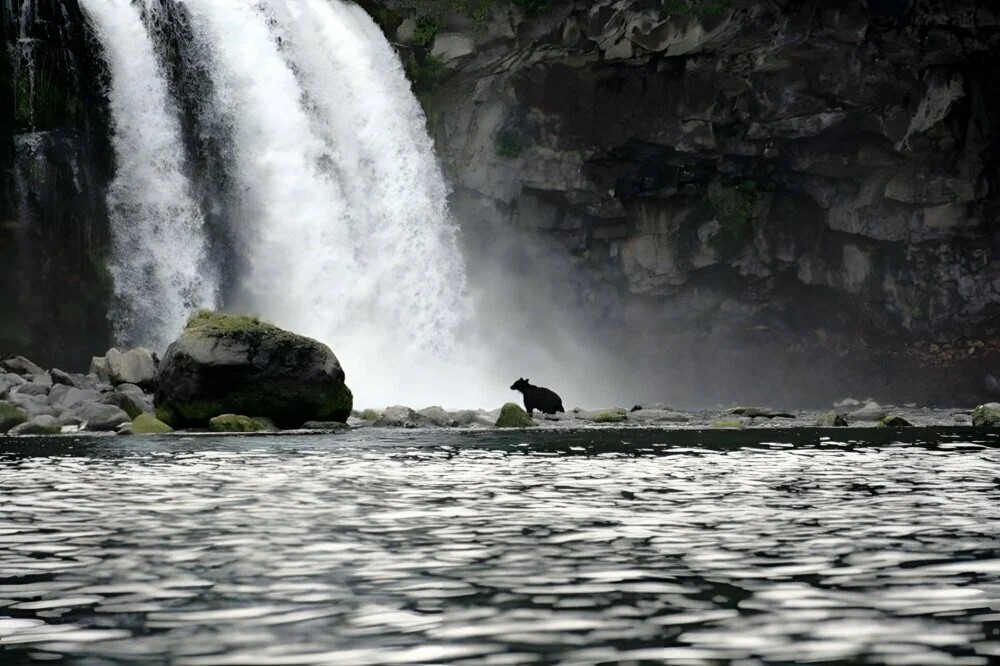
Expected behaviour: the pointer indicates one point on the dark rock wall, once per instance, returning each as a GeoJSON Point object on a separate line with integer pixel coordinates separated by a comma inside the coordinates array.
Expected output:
{"type": "Point", "coordinates": [738, 194]}
{"type": "Point", "coordinates": [54, 167]}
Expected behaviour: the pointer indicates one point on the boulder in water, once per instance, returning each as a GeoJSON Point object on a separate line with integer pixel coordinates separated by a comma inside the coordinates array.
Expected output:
{"type": "Point", "coordinates": [987, 416]}
{"type": "Point", "coordinates": [400, 416]}
{"type": "Point", "coordinates": [832, 420]}
{"type": "Point", "coordinates": [147, 424]}
{"type": "Point", "coordinates": [894, 421]}
{"type": "Point", "coordinates": [512, 416]}
{"type": "Point", "coordinates": [234, 364]}
{"type": "Point", "coordinates": [40, 425]}
{"type": "Point", "coordinates": [236, 423]}
{"type": "Point", "coordinates": [11, 416]}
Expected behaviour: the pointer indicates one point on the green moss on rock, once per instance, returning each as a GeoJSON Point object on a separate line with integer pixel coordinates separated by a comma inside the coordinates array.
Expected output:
{"type": "Point", "coordinates": [513, 416]}
{"type": "Point", "coordinates": [987, 416]}
{"type": "Point", "coordinates": [147, 424]}
{"type": "Point", "coordinates": [610, 417]}
{"type": "Point", "coordinates": [235, 423]}
{"type": "Point", "coordinates": [10, 416]}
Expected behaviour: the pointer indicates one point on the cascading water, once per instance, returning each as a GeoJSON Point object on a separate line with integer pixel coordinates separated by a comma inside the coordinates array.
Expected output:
{"type": "Point", "coordinates": [159, 254]}
{"type": "Point", "coordinates": [336, 209]}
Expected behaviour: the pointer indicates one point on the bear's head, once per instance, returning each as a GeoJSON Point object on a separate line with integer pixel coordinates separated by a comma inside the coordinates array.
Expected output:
{"type": "Point", "coordinates": [519, 385]}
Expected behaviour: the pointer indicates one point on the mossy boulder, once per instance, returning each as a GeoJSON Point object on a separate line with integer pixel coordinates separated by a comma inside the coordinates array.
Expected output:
{"type": "Point", "coordinates": [894, 421]}
{"type": "Point", "coordinates": [832, 420]}
{"type": "Point", "coordinates": [513, 416]}
{"type": "Point", "coordinates": [11, 416]}
{"type": "Point", "coordinates": [987, 416]}
{"type": "Point", "coordinates": [147, 424]}
{"type": "Point", "coordinates": [235, 364]}
{"type": "Point", "coordinates": [236, 423]}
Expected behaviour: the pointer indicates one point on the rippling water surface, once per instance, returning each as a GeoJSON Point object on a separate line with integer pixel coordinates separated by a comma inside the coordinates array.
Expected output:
{"type": "Point", "coordinates": [496, 548]}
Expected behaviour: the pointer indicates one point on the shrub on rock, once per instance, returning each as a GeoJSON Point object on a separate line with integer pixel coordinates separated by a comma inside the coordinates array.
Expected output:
{"type": "Point", "coordinates": [234, 364]}
{"type": "Point", "coordinates": [512, 416]}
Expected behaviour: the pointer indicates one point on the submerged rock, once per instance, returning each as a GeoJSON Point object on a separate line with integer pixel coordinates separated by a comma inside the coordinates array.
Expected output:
{"type": "Point", "coordinates": [232, 364]}
{"type": "Point", "coordinates": [987, 415]}
{"type": "Point", "coordinates": [147, 424]}
{"type": "Point", "coordinates": [513, 416]}
{"type": "Point", "coordinates": [236, 423]}
{"type": "Point", "coordinates": [11, 416]}
{"type": "Point", "coordinates": [325, 426]}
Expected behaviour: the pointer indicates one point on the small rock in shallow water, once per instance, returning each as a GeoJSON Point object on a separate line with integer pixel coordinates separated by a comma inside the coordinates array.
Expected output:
{"type": "Point", "coordinates": [326, 426]}
{"type": "Point", "coordinates": [986, 416]}
{"type": "Point", "coordinates": [147, 424]}
{"type": "Point", "coordinates": [11, 416]}
{"type": "Point", "coordinates": [755, 412]}
{"type": "Point", "coordinates": [894, 421]}
{"type": "Point", "coordinates": [513, 416]}
{"type": "Point", "coordinates": [235, 423]}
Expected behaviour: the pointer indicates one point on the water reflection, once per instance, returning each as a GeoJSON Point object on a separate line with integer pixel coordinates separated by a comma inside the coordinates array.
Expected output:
{"type": "Point", "coordinates": [386, 548]}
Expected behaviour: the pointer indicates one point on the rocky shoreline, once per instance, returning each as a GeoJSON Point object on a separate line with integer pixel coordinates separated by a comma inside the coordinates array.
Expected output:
{"type": "Point", "coordinates": [118, 396]}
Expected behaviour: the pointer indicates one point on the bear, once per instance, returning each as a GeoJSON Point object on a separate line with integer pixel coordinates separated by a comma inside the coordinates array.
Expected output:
{"type": "Point", "coordinates": [536, 397]}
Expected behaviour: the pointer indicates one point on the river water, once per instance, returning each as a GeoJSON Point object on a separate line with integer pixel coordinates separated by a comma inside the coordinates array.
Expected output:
{"type": "Point", "coordinates": [587, 547]}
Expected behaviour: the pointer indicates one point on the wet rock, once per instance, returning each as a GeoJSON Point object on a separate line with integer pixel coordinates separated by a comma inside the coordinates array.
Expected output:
{"type": "Point", "coordinates": [68, 397]}
{"type": "Point", "coordinates": [228, 364]}
{"type": "Point", "coordinates": [235, 423]}
{"type": "Point", "coordinates": [99, 417]}
{"type": "Point", "coordinates": [21, 366]}
{"type": "Point", "coordinates": [134, 403]}
{"type": "Point", "coordinates": [66, 379]}
{"type": "Point", "coordinates": [472, 417]}
{"type": "Point", "coordinates": [438, 416]}
{"type": "Point", "coordinates": [871, 411]}
{"type": "Point", "coordinates": [9, 381]}
{"type": "Point", "coordinates": [11, 416]}
{"type": "Point", "coordinates": [894, 421]}
{"type": "Point", "coordinates": [370, 415]}
{"type": "Point", "coordinates": [400, 416]}
{"type": "Point", "coordinates": [987, 416]}
{"type": "Point", "coordinates": [135, 366]}
{"type": "Point", "coordinates": [659, 416]}
{"type": "Point", "coordinates": [33, 405]}
{"type": "Point", "coordinates": [325, 426]}
{"type": "Point", "coordinates": [39, 425]}
{"type": "Point", "coordinates": [832, 420]}
{"type": "Point", "coordinates": [757, 412]}
{"type": "Point", "coordinates": [603, 415]}
{"type": "Point", "coordinates": [653, 406]}
{"type": "Point", "coordinates": [147, 424]}
{"type": "Point", "coordinates": [513, 416]}
{"type": "Point", "coordinates": [39, 390]}
{"type": "Point", "coordinates": [126, 429]}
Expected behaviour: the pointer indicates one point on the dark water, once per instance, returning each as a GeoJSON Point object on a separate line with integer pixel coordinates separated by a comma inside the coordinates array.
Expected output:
{"type": "Point", "coordinates": [594, 547]}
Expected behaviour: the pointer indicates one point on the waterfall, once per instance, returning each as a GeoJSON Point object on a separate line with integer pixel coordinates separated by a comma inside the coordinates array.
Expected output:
{"type": "Point", "coordinates": [343, 230]}
{"type": "Point", "coordinates": [334, 208]}
{"type": "Point", "coordinates": [158, 260]}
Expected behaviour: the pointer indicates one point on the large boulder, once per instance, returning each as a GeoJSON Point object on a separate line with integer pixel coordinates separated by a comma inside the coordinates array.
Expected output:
{"type": "Point", "coordinates": [987, 416]}
{"type": "Point", "coordinates": [512, 416]}
{"type": "Point", "coordinates": [234, 364]}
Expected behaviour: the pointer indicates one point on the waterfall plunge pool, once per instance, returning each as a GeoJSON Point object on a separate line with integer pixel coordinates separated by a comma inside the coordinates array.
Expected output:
{"type": "Point", "coordinates": [569, 547]}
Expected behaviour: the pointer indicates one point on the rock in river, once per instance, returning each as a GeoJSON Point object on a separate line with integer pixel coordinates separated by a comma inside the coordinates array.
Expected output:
{"type": "Point", "coordinates": [233, 364]}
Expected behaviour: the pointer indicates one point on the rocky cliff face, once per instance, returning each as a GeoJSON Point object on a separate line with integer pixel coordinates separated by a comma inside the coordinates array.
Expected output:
{"type": "Point", "coordinates": [54, 168]}
{"type": "Point", "coordinates": [740, 193]}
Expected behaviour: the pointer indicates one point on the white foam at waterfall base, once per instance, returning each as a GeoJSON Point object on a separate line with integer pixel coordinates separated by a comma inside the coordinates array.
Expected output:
{"type": "Point", "coordinates": [158, 243]}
